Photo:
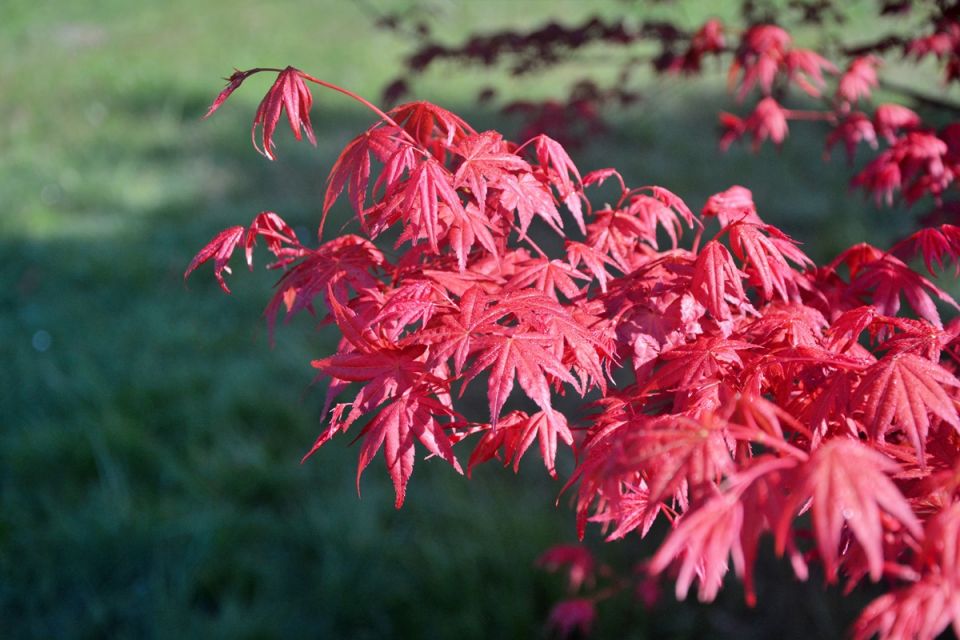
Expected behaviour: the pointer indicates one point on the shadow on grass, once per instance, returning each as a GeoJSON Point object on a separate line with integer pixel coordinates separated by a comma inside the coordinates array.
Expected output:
{"type": "Point", "coordinates": [149, 457]}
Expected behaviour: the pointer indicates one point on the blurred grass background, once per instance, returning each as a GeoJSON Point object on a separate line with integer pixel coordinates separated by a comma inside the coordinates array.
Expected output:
{"type": "Point", "coordinates": [149, 434]}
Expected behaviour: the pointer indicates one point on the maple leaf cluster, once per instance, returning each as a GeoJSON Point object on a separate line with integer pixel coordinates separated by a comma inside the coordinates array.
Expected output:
{"type": "Point", "coordinates": [731, 387]}
{"type": "Point", "coordinates": [910, 160]}
{"type": "Point", "coordinates": [919, 160]}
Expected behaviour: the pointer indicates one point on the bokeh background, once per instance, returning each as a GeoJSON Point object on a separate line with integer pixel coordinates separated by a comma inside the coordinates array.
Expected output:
{"type": "Point", "coordinates": [150, 435]}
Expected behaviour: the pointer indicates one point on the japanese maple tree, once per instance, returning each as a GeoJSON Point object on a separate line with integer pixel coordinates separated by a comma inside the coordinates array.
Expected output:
{"type": "Point", "coordinates": [731, 387]}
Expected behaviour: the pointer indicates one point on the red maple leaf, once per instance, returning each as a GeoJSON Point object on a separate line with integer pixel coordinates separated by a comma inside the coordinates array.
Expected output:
{"type": "Point", "coordinates": [219, 249]}
{"type": "Point", "coordinates": [766, 249]}
{"type": "Point", "coordinates": [527, 195]}
{"type": "Point", "coordinates": [915, 336]}
{"type": "Point", "coordinates": [549, 277]}
{"type": "Point", "coordinates": [934, 244]}
{"type": "Point", "coordinates": [486, 160]}
{"type": "Point", "coordinates": [889, 119]}
{"type": "Point", "coordinates": [679, 455]}
{"type": "Point", "coordinates": [923, 609]}
{"type": "Point", "coordinates": [514, 433]}
{"type": "Point", "coordinates": [457, 333]}
{"type": "Point", "coordinates": [433, 127]}
{"type": "Point", "coordinates": [387, 369]}
{"type": "Point", "coordinates": [852, 129]}
{"type": "Point", "coordinates": [615, 232]}
{"type": "Point", "coordinates": [717, 282]}
{"type": "Point", "coordinates": [768, 120]}
{"type": "Point", "coordinates": [631, 511]}
{"type": "Point", "coordinates": [410, 418]}
{"type": "Point", "coordinates": [233, 83]}
{"type": "Point", "coordinates": [806, 70]}
{"type": "Point", "coordinates": [562, 173]}
{"type": "Point", "coordinates": [848, 486]}
{"type": "Point", "coordinates": [859, 79]}
{"type": "Point", "coordinates": [733, 205]}
{"type": "Point", "coordinates": [527, 356]}
{"type": "Point", "coordinates": [599, 176]}
{"type": "Point", "coordinates": [468, 229]}
{"type": "Point", "coordinates": [705, 535]}
{"type": "Point", "coordinates": [704, 539]}
{"type": "Point", "coordinates": [411, 306]}
{"type": "Point", "coordinates": [595, 261]}
{"type": "Point", "coordinates": [759, 56]}
{"type": "Point", "coordinates": [418, 201]}
{"type": "Point", "coordinates": [787, 324]}
{"type": "Point", "coordinates": [900, 392]}
{"type": "Point", "coordinates": [352, 168]}
{"type": "Point", "coordinates": [347, 260]}
{"type": "Point", "coordinates": [884, 280]}
{"type": "Point", "coordinates": [575, 558]}
{"type": "Point", "coordinates": [289, 92]}
{"type": "Point", "coordinates": [280, 238]}
{"type": "Point", "coordinates": [705, 360]}
{"type": "Point", "coordinates": [570, 617]}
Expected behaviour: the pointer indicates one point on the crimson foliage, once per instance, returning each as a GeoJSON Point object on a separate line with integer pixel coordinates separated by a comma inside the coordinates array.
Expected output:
{"type": "Point", "coordinates": [909, 158]}
{"type": "Point", "coordinates": [733, 387]}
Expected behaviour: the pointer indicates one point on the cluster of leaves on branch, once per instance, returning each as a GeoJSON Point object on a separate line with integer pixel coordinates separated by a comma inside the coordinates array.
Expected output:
{"type": "Point", "coordinates": [732, 387]}
{"type": "Point", "coordinates": [909, 158]}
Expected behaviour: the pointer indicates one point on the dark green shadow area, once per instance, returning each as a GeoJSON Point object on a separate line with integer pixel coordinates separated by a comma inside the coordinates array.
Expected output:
{"type": "Point", "coordinates": [149, 475]}
{"type": "Point", "coordinates": [150, 436]}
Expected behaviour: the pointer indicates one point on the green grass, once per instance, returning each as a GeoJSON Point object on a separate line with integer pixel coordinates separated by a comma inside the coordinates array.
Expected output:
{"type": "Point", "coordinates": [150, 435]}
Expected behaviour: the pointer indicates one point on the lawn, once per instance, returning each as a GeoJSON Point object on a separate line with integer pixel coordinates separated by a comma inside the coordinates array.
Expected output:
{"type": "Point", "coordinates": [150, 434]}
